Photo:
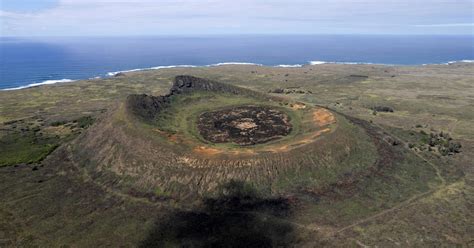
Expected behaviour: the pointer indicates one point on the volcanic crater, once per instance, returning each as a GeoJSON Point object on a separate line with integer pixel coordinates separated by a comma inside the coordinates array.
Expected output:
{"type": "Point", "coordinates": [203, 133]}
{"type": "Point", "coordinates": [244, 125]}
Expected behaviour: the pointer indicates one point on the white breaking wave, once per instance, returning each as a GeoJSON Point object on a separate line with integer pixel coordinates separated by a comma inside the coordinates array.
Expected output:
{"type": "Point", "coordinates": [289, 66]}
{"type": "Point", "coordinates": [124, 71]}
{"type": "Point", "coordinates": [233, 63]}
{"type": "Point", "coordinates": [42, 83]}
{"type": "Point", "coordinates": [314, 62]}
{"type": "Point", "coordinates": [150, 68]}
{"type": "Point", "coordinates": [180, 66]}
{"type": "Point", "coordinates": [460, 61]}
{"type": "Point", "coordinates": [317, 62]}
{"type": "Point", "coordinates": [452, 62]}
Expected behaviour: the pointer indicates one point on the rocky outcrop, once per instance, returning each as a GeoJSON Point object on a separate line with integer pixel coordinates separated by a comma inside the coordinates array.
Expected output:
{"type": "Point", "coordinates": [184, 84]}
{"type": "Point", "coordinates": [148, 107]}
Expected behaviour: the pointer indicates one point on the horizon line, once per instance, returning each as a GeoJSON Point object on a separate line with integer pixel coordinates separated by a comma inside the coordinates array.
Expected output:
{"type": "Point", "coordinates": [233, 34]}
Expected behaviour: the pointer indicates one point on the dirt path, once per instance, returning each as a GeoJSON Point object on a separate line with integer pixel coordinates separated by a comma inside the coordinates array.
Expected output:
{"type": "Point", "coordinates": [384, 212]}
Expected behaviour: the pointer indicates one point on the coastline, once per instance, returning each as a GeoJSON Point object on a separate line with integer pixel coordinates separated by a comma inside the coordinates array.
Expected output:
{"type": "Point", "coordinates": [309, 63]}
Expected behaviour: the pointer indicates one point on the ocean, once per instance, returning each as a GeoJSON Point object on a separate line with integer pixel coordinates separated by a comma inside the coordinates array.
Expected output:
{"type": "Point", "coordinates": [26, 62]}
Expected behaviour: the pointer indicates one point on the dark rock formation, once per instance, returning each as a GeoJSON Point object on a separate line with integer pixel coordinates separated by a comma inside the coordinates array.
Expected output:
{"type": "Point", "coordinates": [120, 74]}
{"type": "Point", "coordinates": [148, 107]}
{"type": "Point", "coordinates": [184, 84]}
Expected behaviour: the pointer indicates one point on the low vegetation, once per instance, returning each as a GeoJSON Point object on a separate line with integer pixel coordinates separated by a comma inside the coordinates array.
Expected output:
{"type": "Point", "coordinates": [29, 141]}
{"type": "Point", "coordinates": [25, 147]}
{"type": "Point", "coordinates": [292, 90]}
{"type": "Point", "coordinates": [441, 143]}
{"type": "Point", "coordinates": [382, 109]}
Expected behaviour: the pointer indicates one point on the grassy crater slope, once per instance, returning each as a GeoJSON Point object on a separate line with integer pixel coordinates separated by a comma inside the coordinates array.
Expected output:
{"type": "Point", "coordinates": [151, 145]}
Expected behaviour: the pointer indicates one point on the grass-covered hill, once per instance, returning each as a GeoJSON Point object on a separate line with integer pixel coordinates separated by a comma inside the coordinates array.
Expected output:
{"type": "Point", "coordinates": [152, 145]}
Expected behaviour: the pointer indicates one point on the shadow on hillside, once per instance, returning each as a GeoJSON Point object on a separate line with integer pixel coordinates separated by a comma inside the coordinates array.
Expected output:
{"type": "Point", "coordinates": [236, 217]}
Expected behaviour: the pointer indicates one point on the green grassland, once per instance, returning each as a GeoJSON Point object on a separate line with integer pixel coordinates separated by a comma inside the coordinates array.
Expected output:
{"type": "Point", "coordinates": [415, 197]}
{"type": "Point", "coordinates": [25, 148]}
{"type": "Point", "coordinates": [30, 140]}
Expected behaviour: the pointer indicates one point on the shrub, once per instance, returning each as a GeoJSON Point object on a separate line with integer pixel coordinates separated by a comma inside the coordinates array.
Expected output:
{"type": "Point", "coordinates": [58, 123]}
{"type": "Point", "coordinates": [382, 109]}
{"type": "Point", "coordinates": [84, 121]}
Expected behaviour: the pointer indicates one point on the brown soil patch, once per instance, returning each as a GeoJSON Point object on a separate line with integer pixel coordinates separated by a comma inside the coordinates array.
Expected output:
{"type": "Point", "coordinates": [298, 106]}
{"type": "Point", "coordinates": [171, 137]}
{"type": "Point", "coordinates": [323, 117]}
{"type": "Point", "coordinates": [297, 143]}
{"type": "Point", "coordinates": [244, 125]}
{"type": "Point", "coordinates": [207, 150]}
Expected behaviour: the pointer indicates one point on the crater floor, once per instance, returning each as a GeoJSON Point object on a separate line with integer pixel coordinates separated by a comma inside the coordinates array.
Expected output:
{"type": "Point", "coordinates": [244, 125]}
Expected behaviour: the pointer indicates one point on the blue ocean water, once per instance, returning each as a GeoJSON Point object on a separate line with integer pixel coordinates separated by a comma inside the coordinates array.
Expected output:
{"type": "Point", "coordinates": [27, 61]}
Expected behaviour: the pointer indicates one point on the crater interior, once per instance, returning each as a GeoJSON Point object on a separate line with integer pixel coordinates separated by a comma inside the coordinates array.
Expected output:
{"type": "Point", "coordinates": [244, 125]}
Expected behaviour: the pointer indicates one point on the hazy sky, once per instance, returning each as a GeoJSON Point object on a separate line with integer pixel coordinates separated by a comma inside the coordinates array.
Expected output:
{"type": "Point", "coordinates": [194, 17]}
